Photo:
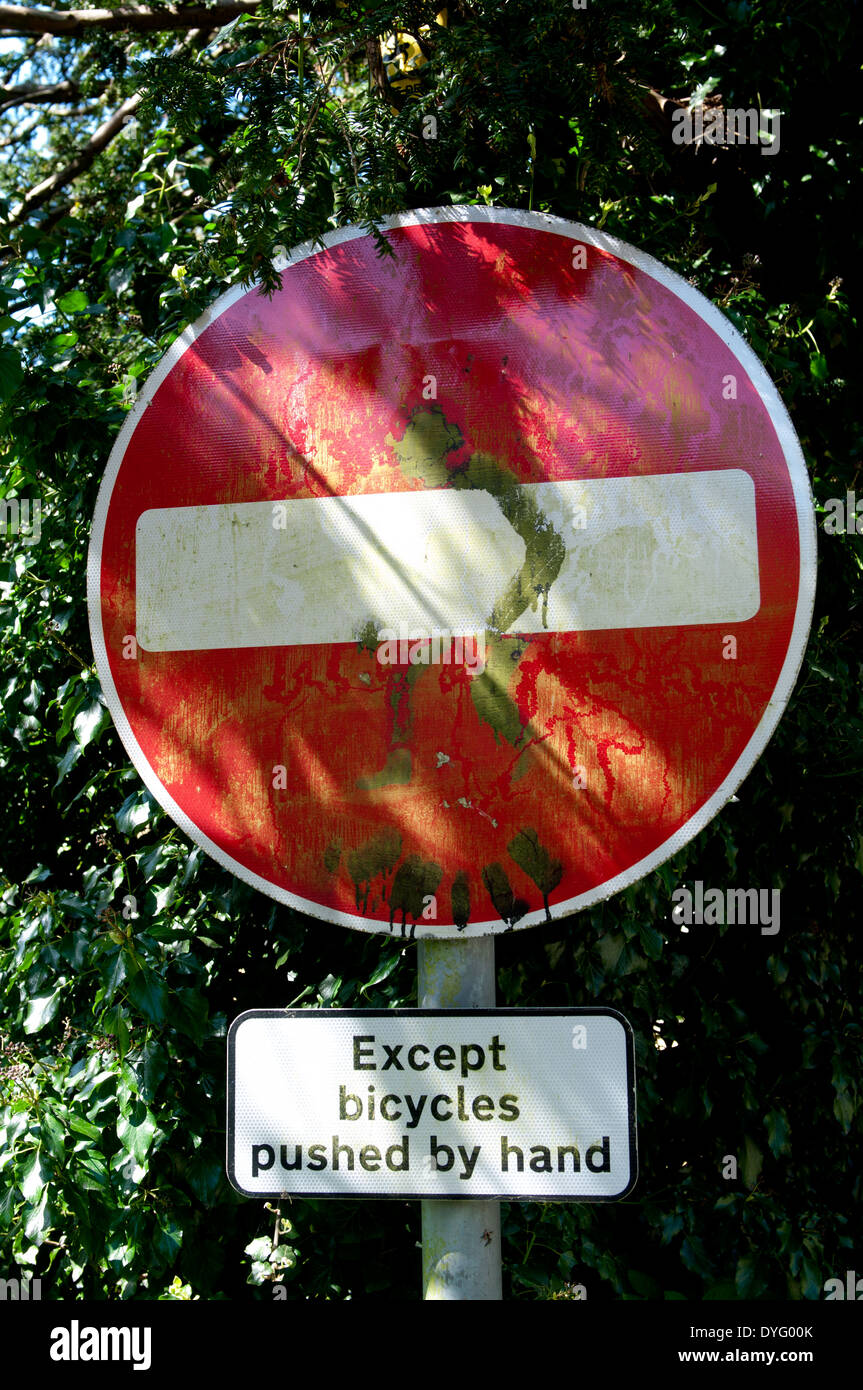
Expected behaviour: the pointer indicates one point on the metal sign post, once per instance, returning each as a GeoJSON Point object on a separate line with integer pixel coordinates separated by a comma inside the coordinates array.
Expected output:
{"type": "Point", "coordinates": [461, 1239]}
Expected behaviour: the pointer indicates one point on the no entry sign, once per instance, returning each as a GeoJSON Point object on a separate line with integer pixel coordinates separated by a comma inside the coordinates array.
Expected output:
{"type": "Point", "coordinates": [533, 1104]}
{"type": "Point", "coordinates": [456, 589]}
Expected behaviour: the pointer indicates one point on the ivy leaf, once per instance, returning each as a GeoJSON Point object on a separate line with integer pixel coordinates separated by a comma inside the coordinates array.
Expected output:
{"type": "Point", "coordinates": [777, 1132]}
{"type": "Point", "coordinates": [812, 1280]}
{"type": "Point", "coordinates": [651, 940]}
{"type": "Point", "coordinates": [68, 761]}
{"type": "Point", "coordinates": [818, 367]}
{"type": "Point", "coordinates": [259, 1248]}
{"type": "Point", "coordinates": [192, 1018]}
{"type": "Point", "coordinates": [53, 1132]}
{"type": "Point", "coordinates": [114, 971]}
{"type": "Point", "coordinates": [11, 372]}
{"type": "Point", "coordinates": [38, 1221]}
{"type": "Point", "coordinates": [41, 1011]}
{"type": "Point", "coordinates": [116, 1026]}
{"type": "Point", "coordinates": [694, 1256]}
{"type": "Point", "coordinates": [643, 1284]}
{"type": "Point", "coordinates": [205, 1176]}
{"type": "Point", "coordinates": [137, 1131]}
{"type": "Point", "coordinates": [82, 1126]}
{"type": "Point", "coordinates": [752, 1161]}
{"type": "Point", "coordinates": [7, 1207]}
{"type": "Point", "coordinates": [34, 1176]}
{"type": "Point", "coordinates": [151, 1068]}
{"type": "Point", "coordinates": [72, 303]}
{"type": "Point", "coordinates": [843, 1109]}
{"type": "Point", "coordinates": [329, 988]}
{"type": "Point", "coordinates": [382, 971]}
{"type": "Point", "coordinates": [92, 1172]}
{"type": "Point", "coordinates": [747, 1279]}
{"type": "Point", "coordinates": [89, 722]}
{"type": "Point", "coordinates": [147, 993]}
{"type": "Point", "coordinates": [169, 1238]}
{"type": "Point", "coordinates": [134, 812]}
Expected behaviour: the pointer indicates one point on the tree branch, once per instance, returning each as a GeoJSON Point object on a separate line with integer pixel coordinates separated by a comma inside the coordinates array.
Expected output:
{"type": "Point", "coordinates": [82, 161]}
{"type": "Point", "coordinates": [96, 144]}
{"type": "Point", "coordinates": [21, 134]}
{"type": "Point", "coordinates": [29, 94]}
{"type": "Point", "coordinates": [18, 19]}
{"type": "Point", "coordinates": [377, 76]}
{"type": "Point", "coordinates": [22, 58]}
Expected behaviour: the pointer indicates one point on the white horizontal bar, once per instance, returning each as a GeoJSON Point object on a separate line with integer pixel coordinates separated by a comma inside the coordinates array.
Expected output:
{"type": "Point", "coordinates": [660, 550]}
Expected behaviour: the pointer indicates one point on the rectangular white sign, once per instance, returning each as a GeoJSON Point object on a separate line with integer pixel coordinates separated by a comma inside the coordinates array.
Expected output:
{"type": "Point", "coordinates": [521, 1104]}
{"type": "Point", "coordinates": [656, 550]}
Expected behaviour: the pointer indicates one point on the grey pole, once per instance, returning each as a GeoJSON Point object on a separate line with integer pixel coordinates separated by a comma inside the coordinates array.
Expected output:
{"type": "Point", "coordinates": [461, 1239]}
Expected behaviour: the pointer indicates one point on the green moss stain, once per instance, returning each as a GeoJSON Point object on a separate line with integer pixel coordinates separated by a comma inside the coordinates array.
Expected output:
{"type": "Point", "coordinates": [398, 768]}
{"type": "Point", "coordinates": [489, 691]}
{"type": "Point", "coordinates": [422, 454]}
{"type": "Point", "coordinates": [396, 772]}
{"type": "Point", "coordinates": [367, 638]}
{"type": "Point", "coordinates": [332, 855]}
{"type": "Point", "coordinates": [376, 856]}
{"type": "Point", "coordinates": [460, 899]}
{"type": "Point", "coordinates": [544, 547]}
{"type": "Point", "coordinates": [416, 879]}
{"type": "Point", "coordinates": [423, 447]}
{"type": "Point", "coordinates": [507, 906]}
{"type": "Point", "coordinates": [403, 683]}
{"type": "Point", "coordinates": [537, 863]}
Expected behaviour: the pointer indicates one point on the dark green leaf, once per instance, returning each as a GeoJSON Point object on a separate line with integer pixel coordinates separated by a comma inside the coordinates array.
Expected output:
{"type": "Point", "coordinates": [41, 1010]}
{"type": "Point", "coordinates": [11, 372]}
{"type": "Point", "coordinates": [149, 995]}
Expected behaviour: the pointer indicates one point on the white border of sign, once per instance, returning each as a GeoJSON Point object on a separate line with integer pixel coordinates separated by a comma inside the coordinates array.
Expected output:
{"type": "Point", "coordinates": [806, 529]}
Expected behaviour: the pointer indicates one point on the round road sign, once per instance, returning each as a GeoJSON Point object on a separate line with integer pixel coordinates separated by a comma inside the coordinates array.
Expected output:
{"type": "Point", "coordinates": [454, 589]}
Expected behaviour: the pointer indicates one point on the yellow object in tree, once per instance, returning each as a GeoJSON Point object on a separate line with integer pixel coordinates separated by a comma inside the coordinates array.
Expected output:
{"type": "Point", "coordinates": [403, 57]}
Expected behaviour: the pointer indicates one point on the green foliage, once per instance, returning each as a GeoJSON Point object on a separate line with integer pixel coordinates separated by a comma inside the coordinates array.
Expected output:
{"type": "Point", "coordinates": [123, 952]}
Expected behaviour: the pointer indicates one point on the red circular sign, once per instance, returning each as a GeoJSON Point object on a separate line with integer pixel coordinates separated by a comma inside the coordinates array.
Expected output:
{"type": "Point", "coordinates": [455, 589]}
